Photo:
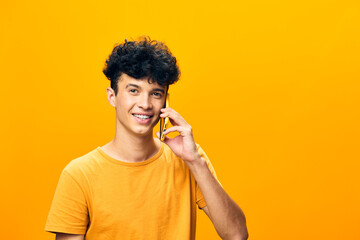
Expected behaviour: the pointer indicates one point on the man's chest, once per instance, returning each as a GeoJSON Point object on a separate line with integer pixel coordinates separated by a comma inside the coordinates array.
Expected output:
{"type": "Point", "coordinates": [132, 198]}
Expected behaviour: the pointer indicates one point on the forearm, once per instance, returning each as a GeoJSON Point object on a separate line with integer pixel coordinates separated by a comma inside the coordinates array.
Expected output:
{"type": "Point", "coordinates": [226, 215]}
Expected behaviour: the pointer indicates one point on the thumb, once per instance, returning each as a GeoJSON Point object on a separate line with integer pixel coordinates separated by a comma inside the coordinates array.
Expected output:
{"type": "Point", "coordinates": [158, 134]}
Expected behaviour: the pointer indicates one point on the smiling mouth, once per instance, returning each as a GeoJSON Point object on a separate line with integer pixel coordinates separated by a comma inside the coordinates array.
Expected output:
{"type": "Point", "coordinates": [142, 117]}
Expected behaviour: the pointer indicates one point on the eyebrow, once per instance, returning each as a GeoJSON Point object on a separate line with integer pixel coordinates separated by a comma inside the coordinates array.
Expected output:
{"type": "Point", "coordinates": [137, 86]}
{"type": "Point", "coordinates": [132, 85]}
{"type": "Point", "coordinates": [159, 90]}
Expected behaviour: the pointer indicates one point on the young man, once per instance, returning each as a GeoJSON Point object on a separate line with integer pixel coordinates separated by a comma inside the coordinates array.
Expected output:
{"type": "Point", "coordinates": [137, 187]}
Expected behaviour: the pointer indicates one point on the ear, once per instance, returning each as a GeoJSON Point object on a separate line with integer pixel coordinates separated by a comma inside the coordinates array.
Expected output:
{"type": "Point", "coordinates": [111, 96]}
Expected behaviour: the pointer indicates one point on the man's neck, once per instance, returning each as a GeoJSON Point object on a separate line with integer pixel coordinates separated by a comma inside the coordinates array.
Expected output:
{"type": "Point", "coordinates": [128, 147]}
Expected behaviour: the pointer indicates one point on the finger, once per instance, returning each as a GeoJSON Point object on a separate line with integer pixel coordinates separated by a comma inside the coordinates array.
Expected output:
{"type": "Point", "coordinates": [170, 119]}
{"type": "Point", "coordinates": [166, 139]}
{"type": "Point", "coordinates": [179, 129]}
{"type": "Point", "coordinates": [168, 109]}
{"type": "Point", "coordinates": [175, 117]}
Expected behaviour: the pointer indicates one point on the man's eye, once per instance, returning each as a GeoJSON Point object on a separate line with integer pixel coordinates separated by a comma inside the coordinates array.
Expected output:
{"type": "Point", "coordinates": [157, 94]}
{"type": "Point", "coordinates": [133, 90]}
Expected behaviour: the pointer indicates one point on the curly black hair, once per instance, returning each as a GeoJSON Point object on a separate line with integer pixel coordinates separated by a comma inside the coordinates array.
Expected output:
{"type": "Point", "coordinates": [142, 58]}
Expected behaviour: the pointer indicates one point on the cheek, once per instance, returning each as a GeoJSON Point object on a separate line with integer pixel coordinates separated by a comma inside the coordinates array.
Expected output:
{"type": "Point", "coordinates": [159, 104]}
{"type": "Point", "coordinates": [125, 103]}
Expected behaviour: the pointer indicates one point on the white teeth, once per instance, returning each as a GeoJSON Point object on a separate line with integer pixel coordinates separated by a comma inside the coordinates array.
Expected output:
{"type": "Point", "coordinates": [142, 116]}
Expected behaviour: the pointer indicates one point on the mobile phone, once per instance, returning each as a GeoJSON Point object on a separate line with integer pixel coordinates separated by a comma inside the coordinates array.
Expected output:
{"type": "Point", "coordinates": [164, 122]}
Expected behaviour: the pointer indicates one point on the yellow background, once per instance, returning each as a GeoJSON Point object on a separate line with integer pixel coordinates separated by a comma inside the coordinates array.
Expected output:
{"type": "Point", "coordinates": [271, 89]}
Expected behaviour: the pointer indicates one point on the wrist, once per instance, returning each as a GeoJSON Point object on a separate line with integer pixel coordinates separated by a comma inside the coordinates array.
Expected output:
{"type": "Point", "coordinates": [197, 165]}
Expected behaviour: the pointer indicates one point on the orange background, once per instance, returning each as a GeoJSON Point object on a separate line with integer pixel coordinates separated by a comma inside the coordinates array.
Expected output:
{"type": "Point", "coordinates": [271, 89]}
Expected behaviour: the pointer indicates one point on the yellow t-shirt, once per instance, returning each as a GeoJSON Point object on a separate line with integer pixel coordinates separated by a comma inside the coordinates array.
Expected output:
{"type": "Point", "coordinates": [107, 199]}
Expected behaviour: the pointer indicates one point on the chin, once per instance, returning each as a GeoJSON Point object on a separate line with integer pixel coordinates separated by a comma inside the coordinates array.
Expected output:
{"type": "Point", "coordinates": [143, 132]}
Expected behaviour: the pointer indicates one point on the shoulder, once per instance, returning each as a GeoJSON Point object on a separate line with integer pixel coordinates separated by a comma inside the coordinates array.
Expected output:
{"type": "Point", "coordinates": [168, 154]}
{"type": "Point", "coordinates": [83, 164]}
{"type": "Point", "coordinates": [171, 160]}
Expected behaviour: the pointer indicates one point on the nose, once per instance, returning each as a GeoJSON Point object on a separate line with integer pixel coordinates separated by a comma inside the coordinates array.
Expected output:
{"type": "Point", "coordinates": [144, 102]}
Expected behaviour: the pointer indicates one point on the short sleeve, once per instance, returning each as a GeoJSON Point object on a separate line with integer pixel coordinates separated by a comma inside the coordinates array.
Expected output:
{"type": "Point", "coordinates": [199, 197]}
{"type": "Point", "coordinates": [69, 211]}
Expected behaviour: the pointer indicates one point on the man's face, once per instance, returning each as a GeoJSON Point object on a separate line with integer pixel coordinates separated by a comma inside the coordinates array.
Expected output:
{"type": "Point", "coordinates": [138, 104]}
